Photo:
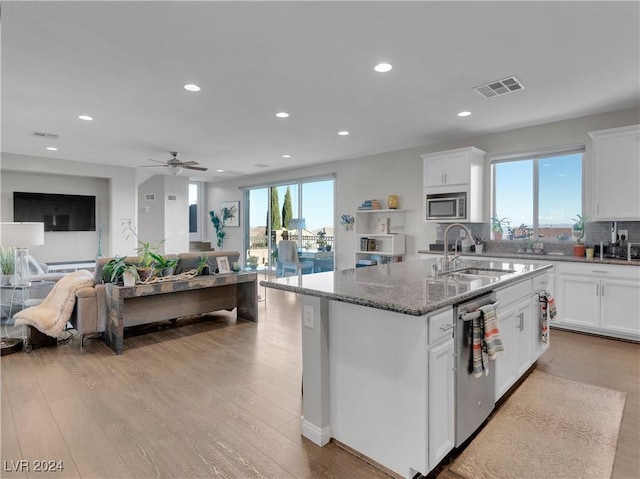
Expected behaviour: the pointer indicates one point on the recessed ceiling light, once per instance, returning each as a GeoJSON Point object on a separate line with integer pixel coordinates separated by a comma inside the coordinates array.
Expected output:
{"type": "Point", "coordinates": [286, 156]}
{"type": "Point", "coordinates": [52, 148]}
{"type": "Point", "coordinates": [343, 133]}
{"type": "Point", "coordinates": [191, 87]}
{"type": "Point", "coordinates": [85, 117]}
{"type": "Point", "coordinates": [382, 67]}
{"type": "Point", "coordinates": [282, 114]}
{"type": "Point", "coordinates": [464, 113]}
{"type": "Point", "coordinates": [220, 171]}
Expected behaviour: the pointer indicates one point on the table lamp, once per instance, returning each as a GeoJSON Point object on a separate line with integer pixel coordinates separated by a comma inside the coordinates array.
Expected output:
{"type": "Point", "coordinates": [21, 236]}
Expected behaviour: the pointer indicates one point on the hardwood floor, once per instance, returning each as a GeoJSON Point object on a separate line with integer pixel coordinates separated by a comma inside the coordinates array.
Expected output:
{"type": "Point", "coordinates": [218, 398]}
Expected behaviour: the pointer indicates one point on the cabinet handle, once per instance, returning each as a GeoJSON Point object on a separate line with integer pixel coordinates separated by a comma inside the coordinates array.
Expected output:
{"type": "Point", "coordinates": [447, 327]}
{"type": "Point", "coordinates": [602, 291]}
{"type": "Point", "coordinates": [597, 289]}
{"type": "Point", "coordinates": [441, 178]}
{"type": "Point", "coordinates": [598, 271]}
{"type": "Point", "coordinates": [521, 327]}
{"type": "Point", "coordinates": [445, 178]}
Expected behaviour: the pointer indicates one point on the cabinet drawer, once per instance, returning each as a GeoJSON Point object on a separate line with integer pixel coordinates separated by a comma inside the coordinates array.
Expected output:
{"type": "Point", "coordinates": [514, 293]}
{"type": "Point", "coordinates": [599, 271]}
{"type": "Point", "coordinates": [441, 325]}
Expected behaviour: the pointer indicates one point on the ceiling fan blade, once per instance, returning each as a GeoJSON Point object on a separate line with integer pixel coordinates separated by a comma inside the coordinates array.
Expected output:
{"type": "Point", "coordinates": [199, 168]}
{"type": "Point", "coordinates": [152, 166]}
{"type": "Point", "coordinates": [157, 161]}
{"type": "Point", "coordinates": [187, 163]}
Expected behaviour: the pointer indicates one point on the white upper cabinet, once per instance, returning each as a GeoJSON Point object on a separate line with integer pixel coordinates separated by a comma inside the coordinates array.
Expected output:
{"type": "Point", "coordinates": [616, 161]}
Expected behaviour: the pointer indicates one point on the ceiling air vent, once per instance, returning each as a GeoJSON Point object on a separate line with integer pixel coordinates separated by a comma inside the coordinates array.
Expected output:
{"type": "Point", "coordinates": [500, 87]}
{"type": "Point", "coordinates": [172, 198]}
{"type": "Point", "coordinates": [261, 165]}
{"type": "Point", "coordinates": [44, 135]}
{"type": "Point", "coordinates": [150, 197]}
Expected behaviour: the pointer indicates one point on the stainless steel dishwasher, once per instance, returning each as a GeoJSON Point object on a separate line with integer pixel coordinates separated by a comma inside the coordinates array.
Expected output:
{"type": "Point", "coordinates": [475, 396]}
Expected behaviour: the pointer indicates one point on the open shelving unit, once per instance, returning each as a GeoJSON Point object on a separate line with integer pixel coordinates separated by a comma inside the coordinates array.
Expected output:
{"type": "Point", "coordinates": [389, 241]}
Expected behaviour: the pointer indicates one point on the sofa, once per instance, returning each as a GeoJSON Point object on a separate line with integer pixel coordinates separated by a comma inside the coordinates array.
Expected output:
{"type": "Point", "coordinates": [90, 312]}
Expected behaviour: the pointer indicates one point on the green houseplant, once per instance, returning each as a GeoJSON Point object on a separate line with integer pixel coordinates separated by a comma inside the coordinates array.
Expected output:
{"type": "Point", "coordinates": [578, 232]}
{"type": "Point", "coordinates": [7, 263]}
{"type": "Point", "coordinates": [220, 221]}
{"type": "Point", "coordinates": [252, 262]}
{"type": "Point", "coordinates": [118, 270]}
{"type": "Point", "coordinates": [202, 266]}
{"type": "Point", "coordinates": [163, 266]}
{"type": "Point", "coordinates": [497, 226]}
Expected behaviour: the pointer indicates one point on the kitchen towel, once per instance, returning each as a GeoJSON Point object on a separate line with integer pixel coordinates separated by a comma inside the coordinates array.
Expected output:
{"type": "Point", "coordinates": [492, 340]}
{"type": "Point", "coordinates": [478, 359]}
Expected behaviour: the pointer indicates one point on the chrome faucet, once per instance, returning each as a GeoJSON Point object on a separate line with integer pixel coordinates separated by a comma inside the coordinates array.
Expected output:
{"type": "Point", "coordinates": [446, 242]}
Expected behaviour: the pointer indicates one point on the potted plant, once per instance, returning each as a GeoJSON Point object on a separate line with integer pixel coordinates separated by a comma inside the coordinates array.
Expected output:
{"type": "Point", "coordinates": [144, 250]}
{"type": "Point", "coordinates": [497, 226]}
{"type": "Point", "coordinates": [117, 270]}
{"type": "Point", "coordinates": [578, 232]}
{"type": "Point", "coordinates": [162, 266]}
{"type": "Point", "coordinates": [252, 262]}
{"type": "Point", "coordinates": [7, 264]}
{"type": "Point", "coordinates": [202, 267]}
{"type": "Point", "coordinates": [322, 242]}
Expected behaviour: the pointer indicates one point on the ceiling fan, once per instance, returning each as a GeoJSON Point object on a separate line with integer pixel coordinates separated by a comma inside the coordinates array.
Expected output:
{"type": "Point", "coordinates": [175, 165]}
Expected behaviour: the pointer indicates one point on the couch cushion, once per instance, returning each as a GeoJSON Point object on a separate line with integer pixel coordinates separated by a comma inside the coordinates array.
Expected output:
{"type": "Point", "coordinates": [189, 261]}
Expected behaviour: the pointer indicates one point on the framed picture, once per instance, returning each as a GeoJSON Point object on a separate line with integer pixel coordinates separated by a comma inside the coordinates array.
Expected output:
{"type": "Point", "coordinates": [233, 212]}
{"type": "Point", "coordinates": [223, 264]}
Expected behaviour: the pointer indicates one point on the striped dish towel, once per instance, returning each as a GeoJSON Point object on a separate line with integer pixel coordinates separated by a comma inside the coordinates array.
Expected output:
{"type": "Point", "coordinates": [492, 340]}
{"type": "Point", "coordinates": [478, 360]}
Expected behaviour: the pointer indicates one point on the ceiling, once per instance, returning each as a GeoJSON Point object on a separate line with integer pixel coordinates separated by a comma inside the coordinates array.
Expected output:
{"type": "Point", "coordinates": [125, 64]}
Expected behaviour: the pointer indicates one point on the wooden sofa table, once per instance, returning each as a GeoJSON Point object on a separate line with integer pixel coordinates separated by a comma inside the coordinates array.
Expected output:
{"type": "Point", "coordinates": [148, 303]}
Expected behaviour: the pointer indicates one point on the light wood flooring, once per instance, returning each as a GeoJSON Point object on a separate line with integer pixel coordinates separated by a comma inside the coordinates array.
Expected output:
{"type": "Point", "coordinates": [218, 398]}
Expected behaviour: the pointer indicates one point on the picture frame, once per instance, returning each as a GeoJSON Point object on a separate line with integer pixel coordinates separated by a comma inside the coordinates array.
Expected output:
{"type": "Point", "coordinates": [234, 208]}
{"type": "Point", "coordinates": [223, 264]}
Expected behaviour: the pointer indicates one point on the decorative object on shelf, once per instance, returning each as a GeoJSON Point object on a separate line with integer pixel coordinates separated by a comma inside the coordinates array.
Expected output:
{"type": "Point", "coordinates": [392, 202]}
{"type": "Point", "coordinates": [347, 221]}
{"type": "Point", "coordinates": [252, 262]}
{"type": "Point", "coordinates": [579, 249]}
{"type": "Point", "coordinates": [383, 225]}
{"type": "Point", "coordinates": [228, 217]}
{"type": "Point", "coordinates": [223, 264]}
{"type": "Point", "coordinates": [202, 267]}
{"type": "Point", "coordinates": [117, 270]}
{"type": "Point", "coordinates": [369, 205]}
{"type": "Point", "coordinates": [163, 266]}
{"type": "Point", "coordinates": [7, 264]}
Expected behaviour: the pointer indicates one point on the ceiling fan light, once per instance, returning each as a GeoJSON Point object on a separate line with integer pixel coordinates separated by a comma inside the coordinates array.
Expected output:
{"type": "Point", "coordinates": [175, 169]}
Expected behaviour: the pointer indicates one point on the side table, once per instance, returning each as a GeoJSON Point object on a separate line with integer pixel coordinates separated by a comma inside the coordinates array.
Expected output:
{"type": "Point", "coordinates": [14, 298]}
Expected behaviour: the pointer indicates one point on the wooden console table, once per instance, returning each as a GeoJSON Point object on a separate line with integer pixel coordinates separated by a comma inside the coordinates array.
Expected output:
{"type": "Point", "coordinates": [148, 303]}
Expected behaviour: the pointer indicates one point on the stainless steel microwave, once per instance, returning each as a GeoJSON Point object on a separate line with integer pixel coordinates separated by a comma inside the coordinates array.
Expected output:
{"type": "Point", "coordinates": [447, 206]}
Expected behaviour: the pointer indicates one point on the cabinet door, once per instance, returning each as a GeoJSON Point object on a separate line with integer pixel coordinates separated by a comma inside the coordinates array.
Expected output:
{"type": "Point", "coordinates": [619, 306]}
{"type": "Point", "coordinates": [441, 401]}
{"type": "Point", "coordinates": [433, 171]}
{"type": "Point", "coordinates": [456, 169]}
{"type": "Point", "coordinates": [524, 331]}
{"type": "Point", "coordinates": [578, 300]}
{"type": "Point", "coordinates": [504, 364]}
{"type": "Point", "coordinates": [617, 168]}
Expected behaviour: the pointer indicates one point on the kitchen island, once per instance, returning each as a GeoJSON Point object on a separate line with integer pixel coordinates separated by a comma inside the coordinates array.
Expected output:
{"type": "Point", "coordinates": [378, 353]}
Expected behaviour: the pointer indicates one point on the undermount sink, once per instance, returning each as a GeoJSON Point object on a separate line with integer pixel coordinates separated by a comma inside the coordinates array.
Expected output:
{"type": "Point", "coordinates": [492, 272]}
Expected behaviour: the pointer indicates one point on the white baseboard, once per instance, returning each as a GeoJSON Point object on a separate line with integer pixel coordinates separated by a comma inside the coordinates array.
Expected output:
{"type": "Point", "coordinates": [315, 434]}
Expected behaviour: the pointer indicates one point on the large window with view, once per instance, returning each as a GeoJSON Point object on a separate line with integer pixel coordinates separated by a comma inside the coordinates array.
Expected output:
{"type": "Point", "coordinates": [537, 197]}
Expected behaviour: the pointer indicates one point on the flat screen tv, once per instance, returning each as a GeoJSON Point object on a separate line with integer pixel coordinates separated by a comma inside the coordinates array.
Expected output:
{"type": "Point", "coordinates": [57, 212]}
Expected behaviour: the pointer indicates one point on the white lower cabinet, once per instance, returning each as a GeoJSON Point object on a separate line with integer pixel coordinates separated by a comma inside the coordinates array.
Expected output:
{"type": "Point", "coordinates": [598, 298]}
{"type": "Point", "coordinates": [441, 400]}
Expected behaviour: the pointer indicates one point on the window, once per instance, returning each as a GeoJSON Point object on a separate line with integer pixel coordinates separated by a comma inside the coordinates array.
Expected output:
{"type": "Point", "coordinates": [536, 197]}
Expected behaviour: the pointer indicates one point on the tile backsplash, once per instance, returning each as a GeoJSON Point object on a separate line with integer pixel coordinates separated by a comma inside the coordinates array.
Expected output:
{"type": "Point", "coordinates": [597, 231]}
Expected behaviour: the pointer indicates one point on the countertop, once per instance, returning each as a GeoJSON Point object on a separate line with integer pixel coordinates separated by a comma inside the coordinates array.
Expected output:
{"type": "Point", "coordinates": [405, 287]}
{"type": "Point", "coordinates": [540, 257]}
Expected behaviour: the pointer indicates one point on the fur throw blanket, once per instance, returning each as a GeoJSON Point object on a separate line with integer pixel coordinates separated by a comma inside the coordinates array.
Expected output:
{"type": "Point", "coordinates": [51, 316]}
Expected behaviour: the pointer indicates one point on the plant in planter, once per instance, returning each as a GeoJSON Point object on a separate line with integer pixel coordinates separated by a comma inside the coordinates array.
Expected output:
{"type": "Point", "coordinates": [118, 270]}
{"type": "Point", "coordinates": [497, 226]}
{"type": "Point", "coordinates": [322, 242]}
{"type": "Point", "coordinates": [202, 267]}
{"type": "Point", "coordinates": [7, 263]}
{"type": "Point", "coordinates": [144, 250]}
{"type": "Point", "coordinates": [162, 266]}
{"type": "Point", "coordinates": [252, 262]}
{"type": "Point", "coordinates": [578, 232]}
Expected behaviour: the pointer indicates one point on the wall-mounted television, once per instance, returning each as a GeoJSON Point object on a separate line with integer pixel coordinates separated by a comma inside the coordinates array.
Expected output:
{"type": "Point", "coordinates": [57, 212]}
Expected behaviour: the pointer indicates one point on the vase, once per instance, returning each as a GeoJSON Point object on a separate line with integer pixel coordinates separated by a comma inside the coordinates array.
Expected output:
{"type": "Point", "coordinates": [392, 202]}
{"type": "Point", "coordinates": [579, 250]}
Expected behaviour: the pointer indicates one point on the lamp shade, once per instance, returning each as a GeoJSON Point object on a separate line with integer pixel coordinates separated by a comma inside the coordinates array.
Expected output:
{"type": "Point", "coordinates": [21, 234]}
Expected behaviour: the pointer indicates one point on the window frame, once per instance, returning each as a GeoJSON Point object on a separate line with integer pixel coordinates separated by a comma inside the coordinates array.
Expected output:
{"type": "Point", "coordinates": [536, 156]}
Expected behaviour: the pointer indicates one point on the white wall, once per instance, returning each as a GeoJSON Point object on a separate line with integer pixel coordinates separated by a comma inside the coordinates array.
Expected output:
{"type": "Point", "coordinates": [400, 172]}
{"type": "Point", "coordinates": [19, 172]}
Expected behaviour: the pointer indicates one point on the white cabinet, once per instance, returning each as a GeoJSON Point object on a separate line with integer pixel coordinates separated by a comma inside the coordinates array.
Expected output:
{"type": "Point", "coordinates": [456, 171]}
{"type": "Point", "coordinates": [602, 299]}
{"type": "Point", "coordinates": [518, 331]}
{"type": "Point", "coordinates": [616, 156]}
{"type": "Point", "coordinates": [381, 230]}
{"type": "Point", "coordinates": [441, 387]}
